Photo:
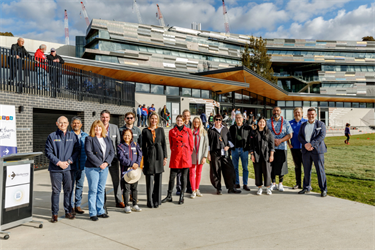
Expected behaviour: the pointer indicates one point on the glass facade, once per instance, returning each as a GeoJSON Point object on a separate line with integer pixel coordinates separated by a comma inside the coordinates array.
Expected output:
{"type": "Point", "coordinates": [351, 68]}
{"type": "Point", "coordinates": [322, 53]}
{"type": "Point", "coordinates": [172, 91]}
{"type": "Point", "coordinates": [197, 108]}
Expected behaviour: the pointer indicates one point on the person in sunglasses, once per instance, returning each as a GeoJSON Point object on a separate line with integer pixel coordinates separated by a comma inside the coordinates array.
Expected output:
{"type": "Point", "coordinates": [129, 124]}
{"type": "Point", "coordinates": [219, 156]}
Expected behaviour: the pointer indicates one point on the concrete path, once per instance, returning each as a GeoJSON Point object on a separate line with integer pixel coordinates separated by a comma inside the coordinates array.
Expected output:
{"type": "Point", "coordinates": [230, 221]}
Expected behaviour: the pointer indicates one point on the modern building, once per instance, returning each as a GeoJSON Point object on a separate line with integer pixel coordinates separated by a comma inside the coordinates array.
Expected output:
{"type": "Point", "coordinates": [200, 70]}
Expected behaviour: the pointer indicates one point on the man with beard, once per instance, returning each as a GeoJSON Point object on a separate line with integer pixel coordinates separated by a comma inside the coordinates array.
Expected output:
{"type": "Point", "coordinates": [282, 132]}
{"type": "Point", "coordinates": [129, 124]}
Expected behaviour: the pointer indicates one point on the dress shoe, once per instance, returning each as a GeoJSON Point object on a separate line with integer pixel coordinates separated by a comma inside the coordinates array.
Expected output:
{"type": "Point", "coordinates": [296, 187]}
{"type": "Point", "coordinates": [69, 216]}
{"type": "Point", "coordinates": [304, 191]}
{"type": "Point", "coordinates": [168, 198]}
{"type": "Point", "coordinates": [103, 216]}
{"type": "Point", "coordinates": [79, 210]}
{"type": "Point", "coordinates": [323, 194]}
{"type": "Point", "coordinates": [94, 218]}
{"type": "Point", "coordinates": [120, 205]}
{"type": "Point", "coordinates": [219, 192]}
{"type": "Point", "coordinates": [234, 191]}
{"type": "Point", "coordinates": [54, 219]}
{"type": "Point", "coordinates": [245, 187]}
{"type": "Point", "coordinates": [181, 201]}
{"type": "Point", "coordinates": [237, 186]}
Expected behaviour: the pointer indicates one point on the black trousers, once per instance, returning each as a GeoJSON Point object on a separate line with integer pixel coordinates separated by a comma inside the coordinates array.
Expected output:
{"type": "Point", "coordinates": [178, 184]}
{"type": "Point", "coordinates": [153, 189]}
{"type": "Point", "coordinates": [297, 159]}
{"type": "Point", "coordinates": [262, 169]}
{"type": "Point", "coordinates": [221, 165]}
{"type": "Point", "coordinates": [347, 137]}
{"type": "Point", "coordinates": [126, 189]}
{"type": "Point", "coordinates": [114, 170]}
{"type": "Point", "coordinates": [183, 178]}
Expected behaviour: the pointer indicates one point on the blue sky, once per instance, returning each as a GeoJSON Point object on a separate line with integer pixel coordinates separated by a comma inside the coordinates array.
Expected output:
{"type": "Point", "coordinates": [303, 19]}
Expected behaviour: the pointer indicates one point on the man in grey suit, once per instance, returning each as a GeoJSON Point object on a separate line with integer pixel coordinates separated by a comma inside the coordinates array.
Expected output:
{"type": "Point", "coordinates": [114, 170]}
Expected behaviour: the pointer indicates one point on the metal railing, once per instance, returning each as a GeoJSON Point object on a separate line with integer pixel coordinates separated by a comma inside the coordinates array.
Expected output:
{"type": "Point", "coordinates": [51, 79]}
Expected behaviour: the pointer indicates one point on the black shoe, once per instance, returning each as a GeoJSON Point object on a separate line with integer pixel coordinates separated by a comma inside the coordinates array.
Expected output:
{"type": "Point", "coordinates": [237, 186]}
{"type": "Point", "coordinates": [304, 191]}
{"type": "Point", "coordinates": [234, 191]}
{"type": "Point", "coordinates": [323, 194]}
{"type": "Point", "coordinates": [103, 216]}
{"type": "Point", "coordinates": [168, 198]}
{"type": "Point", "coordinates": [219, 192]}
{"type": "Point", "coordinates": [245, 187]}
{"type": "Point", "coordinates": [94, 218]}
{"type": "Point", "coordinates": [149, 206]}
{"type": "Point", "coordinates": [181, 201]}
{"type": "Point", "coordinates": [156, 205]}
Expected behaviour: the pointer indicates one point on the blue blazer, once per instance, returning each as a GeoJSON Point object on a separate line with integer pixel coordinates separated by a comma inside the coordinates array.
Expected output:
{"type": "Point", "coordinates": [94, 152]}
{"type": "Point", "coordinates": [317, 137]}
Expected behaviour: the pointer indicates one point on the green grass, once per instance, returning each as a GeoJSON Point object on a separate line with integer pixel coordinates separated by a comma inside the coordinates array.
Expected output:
{"type": "Point", "coordinates": [350, 169]}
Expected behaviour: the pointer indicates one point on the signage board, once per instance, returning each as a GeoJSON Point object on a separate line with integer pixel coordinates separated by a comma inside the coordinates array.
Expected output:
{"type": "Point", "coordinates": [8, 133]}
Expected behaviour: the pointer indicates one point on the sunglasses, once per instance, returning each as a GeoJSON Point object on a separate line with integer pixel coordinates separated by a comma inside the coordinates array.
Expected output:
{"type": "Point", "coordinates": [129, 118]}
{"type": "Point", "coordinates": [217, 119]}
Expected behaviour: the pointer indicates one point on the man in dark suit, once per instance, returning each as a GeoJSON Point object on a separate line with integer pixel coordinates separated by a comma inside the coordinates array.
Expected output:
{"type": "Point", "coordinates": [114, 170]}
{"type": "Point", "coordinates": [311, 135]}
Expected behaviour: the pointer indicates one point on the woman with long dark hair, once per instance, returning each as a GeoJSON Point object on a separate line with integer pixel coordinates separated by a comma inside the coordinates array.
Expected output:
{"type": "Point", "coordinates": [262, 147]}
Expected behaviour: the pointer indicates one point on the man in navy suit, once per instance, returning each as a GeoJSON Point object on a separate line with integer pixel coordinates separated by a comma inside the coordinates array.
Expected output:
{"type": "Point", "coordinates": [311, 135]}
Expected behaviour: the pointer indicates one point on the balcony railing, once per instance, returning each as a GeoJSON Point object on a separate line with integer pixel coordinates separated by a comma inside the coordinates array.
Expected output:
{"type": "Point", "coordinates": [55, 80]}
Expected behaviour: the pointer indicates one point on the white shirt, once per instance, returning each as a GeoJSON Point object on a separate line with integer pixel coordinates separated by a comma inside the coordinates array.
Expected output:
{"type": "Point", "coordinates": [244, 116]}
{"type": "Point", "coordinates": [103, 146]}
{"type": "Point", "coordinates": [309, 129]}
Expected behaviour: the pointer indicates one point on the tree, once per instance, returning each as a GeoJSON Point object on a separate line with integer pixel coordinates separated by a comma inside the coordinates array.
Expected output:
{"type": "Point", "coordinates": [368, 38]}
{"type": "Point", "coordinates": [255, 57]}
{"type": "Point", "coordinates": [6, 34]}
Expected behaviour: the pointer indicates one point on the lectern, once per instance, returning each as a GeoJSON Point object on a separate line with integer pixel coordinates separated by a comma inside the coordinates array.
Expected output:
{"type": "Point", "coordinates": [16, 190]}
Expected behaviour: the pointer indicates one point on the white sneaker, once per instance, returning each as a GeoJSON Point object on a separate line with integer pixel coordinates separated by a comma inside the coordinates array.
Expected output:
{"type": "Point", "coordinates": [136, 209]}
{"type": "Point", "coordinates": [260, 191]}
{"type": "Point", "coordinates": [273, 187]}
{"type": "Point", "coordinates": [281, 187]}
{"type": "Point", "coordinates": [128, 210]}
{"type": "Point", "coordinates": [199, 193]}
{"type": "Point", "coordinates": [193, 195]}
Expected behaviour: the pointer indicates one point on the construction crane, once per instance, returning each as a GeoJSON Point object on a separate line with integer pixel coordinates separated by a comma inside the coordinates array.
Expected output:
{"type": "Point", "coordinates": [159, 16]}
{"type": "Point", "coordinates": [85, 14]}
{"type": "Point", "coordinates": [135, 8]}
{"type": "Point", "coordinates": [226, 21]}
{"type": "Point", "coordinates": [66, 26]}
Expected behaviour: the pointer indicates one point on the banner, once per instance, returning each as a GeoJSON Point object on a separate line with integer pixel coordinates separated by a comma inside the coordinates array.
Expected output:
{"type": "Point", "coordinates": [8, 134]}
{"type": "Point", "coordinates": [17, 185]}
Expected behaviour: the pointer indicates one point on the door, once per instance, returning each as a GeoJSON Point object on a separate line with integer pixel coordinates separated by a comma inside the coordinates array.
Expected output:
{"type": "Point", "coordinates": [175, 111]}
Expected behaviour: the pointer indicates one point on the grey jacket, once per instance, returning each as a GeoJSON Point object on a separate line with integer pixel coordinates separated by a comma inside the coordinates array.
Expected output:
{"type": "Point", "coordinates": [114, 134]}
{"type": "Point", "coordinates": [203, 149]}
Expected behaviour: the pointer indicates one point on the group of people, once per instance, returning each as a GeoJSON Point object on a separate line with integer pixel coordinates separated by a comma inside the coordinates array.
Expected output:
{"type": "Point", "coordinates": [143, 113]}
{"type": "Point", "coordinates": [127, 151]}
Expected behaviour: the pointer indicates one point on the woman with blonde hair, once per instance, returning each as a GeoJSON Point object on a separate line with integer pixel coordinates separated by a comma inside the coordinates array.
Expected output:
{"type": "Point", "coordinates": [199, 156]}
{"type": "Point", "coordinates": [100, 153]}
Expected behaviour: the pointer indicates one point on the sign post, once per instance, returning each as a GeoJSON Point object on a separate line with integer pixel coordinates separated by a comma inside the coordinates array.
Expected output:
{"type": "Point", "coordinates": [8, 133]}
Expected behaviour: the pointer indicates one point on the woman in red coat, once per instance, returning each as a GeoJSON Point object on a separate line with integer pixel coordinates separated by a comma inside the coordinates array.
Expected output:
{"type": "Point", "coordinates": [181, 143]}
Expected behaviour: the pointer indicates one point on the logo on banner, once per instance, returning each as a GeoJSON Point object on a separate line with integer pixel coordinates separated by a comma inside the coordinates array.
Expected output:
{"type": "Point", "coordinates": [20, 175]}
{"type": "Point", "coordinates": [6, 151]}
{"type": "Point", "coordinates": [6, 118]}
{"type": "Point", "coordinates": [18, 195]}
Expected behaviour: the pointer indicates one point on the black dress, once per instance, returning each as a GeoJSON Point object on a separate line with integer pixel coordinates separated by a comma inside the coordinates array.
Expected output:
{"type": "Point", "coordinates": [220, 161]}
{"type": "Point", "coordinates": [154, 153]}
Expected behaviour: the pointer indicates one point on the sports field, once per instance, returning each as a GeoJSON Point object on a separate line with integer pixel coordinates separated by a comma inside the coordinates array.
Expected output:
{"type": "Point", "coordinates": [350, 169]}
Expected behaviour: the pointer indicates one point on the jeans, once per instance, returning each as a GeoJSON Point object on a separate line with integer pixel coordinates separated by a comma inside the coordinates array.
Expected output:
{"type": "Point", "coordinates": [97, 179]}
{"type": "Point", "coordinates": [144, 120]}
{"type": "Point", "coordinates": [238, 153]}
{"type": "Point", "coordinates": [42, 79]}
{"type": "Point", "coordinates": [138, 120]}
{"type": "Point", "coordinates": [78, 178]}
{"type": "Point", "coordinates": [57, 178]}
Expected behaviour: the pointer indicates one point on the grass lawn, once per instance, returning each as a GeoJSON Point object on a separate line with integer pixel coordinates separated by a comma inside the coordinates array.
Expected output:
{"type": "Point", "coordinates": [350, 169]}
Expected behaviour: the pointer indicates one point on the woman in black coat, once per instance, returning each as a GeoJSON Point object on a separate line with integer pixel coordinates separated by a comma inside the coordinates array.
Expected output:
{"type": "Point", "coordinates": [262, 148]}
{"type": "Point", "coordinates": [154, 149]}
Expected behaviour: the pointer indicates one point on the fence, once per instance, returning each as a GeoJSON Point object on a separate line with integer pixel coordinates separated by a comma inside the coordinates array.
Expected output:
{"type": "Point", "coordinates": [52, 79]}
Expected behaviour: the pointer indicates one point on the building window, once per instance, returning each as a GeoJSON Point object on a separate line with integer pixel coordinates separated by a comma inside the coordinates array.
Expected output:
{"type": "Point", "coordinates": [339, 104]}
{"type": "Point", "coordinates": [157, 89]}
{"type": "Point", "coordinates": [196, 93]}
{"type": "Point", "coordinates": [253, 98]}
{"type": "Point", "coordinates": [370, 105]}
{"type": "Point", "coordinates": [347, 104]}
{"type": "Point", "coordinates": [289, 103]}
{"type": "Point", "coordinates": [171, 90]}
{"type": "Point", "coordinates": [238, 96]}
{"type": "Point", "coordinates": [142, 87]}
{"type": "Point", "coordinates": [281, 103]}
{"type": "Point", "coordinates": [205, 93]}
{"type": "Point", "coordinates": [331, 104]}
{"type": "Point", "coordinates": [306, 104]}
{"type": "Point", "coordinates": [314, 104]}
{"type": "Point", "coordinates": [196, 108]}
{"type": "Point", "coordinates": [297, 103]}
{"type": "Point", "coordinates": [186, 92]}
{"type": "Point", "coordinates": [362, 105]}
{"type": "Point", "coordinates": [355, 105]}
{"type": "Point", "coordinates": [323, 104]}
{"type": "Point", "coordinates": [260, 100]}
{"type": "Point", "coordinates": [227, 97]}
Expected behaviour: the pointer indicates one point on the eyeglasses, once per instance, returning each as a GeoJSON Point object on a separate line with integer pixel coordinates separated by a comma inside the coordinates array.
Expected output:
{"type": "Point", "coordinates": [217, 119]}
{"type": "Point", "coordinates": [129, 118]}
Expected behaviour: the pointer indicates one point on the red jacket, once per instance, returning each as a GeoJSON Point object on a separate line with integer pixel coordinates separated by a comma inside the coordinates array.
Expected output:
{"type": "Point", "coordinates": [181, 143]}
{"type": "Point", "coordinates": [40, 57]}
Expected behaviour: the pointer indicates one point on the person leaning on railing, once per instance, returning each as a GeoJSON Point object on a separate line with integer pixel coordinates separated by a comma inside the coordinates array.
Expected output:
{"type": "Point", "coordinates": [17, 51]}
{"type": "Point", "coordinates": [55, 74]}
{"type": "Point", "coordinates": [41, 67]}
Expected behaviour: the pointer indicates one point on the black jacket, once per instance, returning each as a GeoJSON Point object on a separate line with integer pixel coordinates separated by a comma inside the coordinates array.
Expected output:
{"type": "Point", "coordinates": [51, 58]}
{"type": "Point", "coordinates": [214, 139]}
{"type": "Point", "coordinates": [153, 152]}
{"type": "Point", "coordinates": [246, 132]}
{"type": "Point", "coordinates": [262, 145]}
{"type": "Point", "coordinates": [20, 50]}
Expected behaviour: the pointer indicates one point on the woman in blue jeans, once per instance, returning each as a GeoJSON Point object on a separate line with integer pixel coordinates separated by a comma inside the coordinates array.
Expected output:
{"type": "Point", "coordinates": [100, 153]}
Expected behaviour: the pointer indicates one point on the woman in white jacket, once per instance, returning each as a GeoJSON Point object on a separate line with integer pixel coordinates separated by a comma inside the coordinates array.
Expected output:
{"type": "Point", "coordinates": [199, 155]}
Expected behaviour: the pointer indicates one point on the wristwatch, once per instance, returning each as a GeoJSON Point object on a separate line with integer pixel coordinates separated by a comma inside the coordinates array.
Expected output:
{"type": "Point", "coordinates": [70, 162]}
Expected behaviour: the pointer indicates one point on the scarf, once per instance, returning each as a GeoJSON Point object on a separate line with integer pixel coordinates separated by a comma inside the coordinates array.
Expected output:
{"type": "Point", "coordinates": [197, 139]}
{"type": "Point", "coordinates": [180, 128]}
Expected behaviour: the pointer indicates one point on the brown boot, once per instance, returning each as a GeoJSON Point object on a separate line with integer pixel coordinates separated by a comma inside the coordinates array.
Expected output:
{"type": "Point", "coordinates": [79, 210]}
{"type": "Point", "coordinates": [54, 219]}
{"type": "Point", "coordinates": [69, 216]}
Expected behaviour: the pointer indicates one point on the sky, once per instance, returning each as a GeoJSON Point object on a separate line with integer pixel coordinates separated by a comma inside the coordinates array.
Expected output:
{"type": "Point", "coordinates": [300, 19]}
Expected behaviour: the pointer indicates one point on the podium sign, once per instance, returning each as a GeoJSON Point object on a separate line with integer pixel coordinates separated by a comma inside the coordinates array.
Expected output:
{"type": "Point", "coordinates": [17, 185]}
{"type": "Point", "coordinates": [8, 133]}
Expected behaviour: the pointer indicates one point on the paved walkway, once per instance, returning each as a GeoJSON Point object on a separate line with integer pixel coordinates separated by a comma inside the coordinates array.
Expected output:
{"type": "Point", "coordinates": [230, 221]}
